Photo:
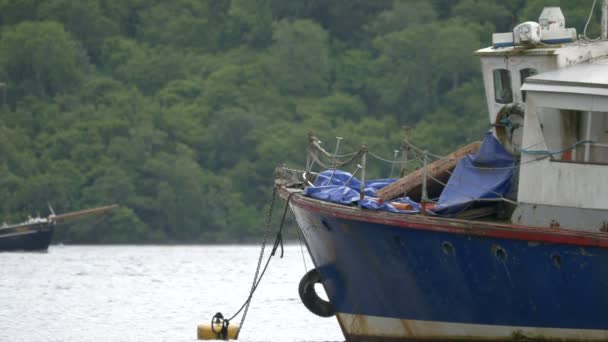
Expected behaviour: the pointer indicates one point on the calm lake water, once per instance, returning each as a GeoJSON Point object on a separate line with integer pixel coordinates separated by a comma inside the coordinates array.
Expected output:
{"type": "Point", "coordinates": [151, 293]}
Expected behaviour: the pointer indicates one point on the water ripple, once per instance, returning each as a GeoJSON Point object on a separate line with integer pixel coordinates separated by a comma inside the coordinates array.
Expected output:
{"type": "Point", "coordinates": [151, 293]}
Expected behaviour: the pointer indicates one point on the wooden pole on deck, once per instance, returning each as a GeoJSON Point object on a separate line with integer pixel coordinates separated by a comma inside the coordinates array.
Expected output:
{"type": "Point", "coordinates": [425, 196]}
{"type": "Point", "coordinates": [363, 162]}
{"type": "Point", "coordinates": [439, 169]}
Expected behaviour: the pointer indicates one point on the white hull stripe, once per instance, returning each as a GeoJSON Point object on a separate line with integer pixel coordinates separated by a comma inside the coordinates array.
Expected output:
{"type": "Point", "coordinates": [18, 233]}
{"type": "Point", "coordinates": [361, 325]}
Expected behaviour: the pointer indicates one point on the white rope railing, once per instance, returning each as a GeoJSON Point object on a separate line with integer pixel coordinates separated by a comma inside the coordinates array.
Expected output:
{"type": "Point", "coordinates": [418, 158]}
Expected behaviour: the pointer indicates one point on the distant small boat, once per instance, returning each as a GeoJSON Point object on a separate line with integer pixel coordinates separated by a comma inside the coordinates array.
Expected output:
{"type": "Point", "coordinates": [36, 234]}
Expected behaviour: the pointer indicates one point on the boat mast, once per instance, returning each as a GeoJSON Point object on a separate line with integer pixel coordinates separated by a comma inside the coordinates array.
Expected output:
{"type": "Point", "coordinates": [84, 212]}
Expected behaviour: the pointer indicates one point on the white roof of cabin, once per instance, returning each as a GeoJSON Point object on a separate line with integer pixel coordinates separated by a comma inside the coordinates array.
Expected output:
{"type": "Point", "coordinates": [590, 78]}
{"type": "Point", "coordinates": [518, 51]}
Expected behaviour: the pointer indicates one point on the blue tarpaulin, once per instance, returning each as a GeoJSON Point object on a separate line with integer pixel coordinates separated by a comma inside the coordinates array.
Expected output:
{"type": "Point", "coordinates": [341, 187]}
{"type": "Point", "coordinates": [484, 175]}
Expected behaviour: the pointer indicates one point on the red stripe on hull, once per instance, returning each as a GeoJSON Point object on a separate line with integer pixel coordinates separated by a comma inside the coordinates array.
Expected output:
{"type": "Point", "coordinates": [455, 226]}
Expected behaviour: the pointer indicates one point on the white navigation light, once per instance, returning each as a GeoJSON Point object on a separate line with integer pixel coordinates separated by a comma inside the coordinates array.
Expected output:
{"type": "Point", "coordinates": [527, 33]}
{"type": "Point", "coordinates": [552, 18]}
{"type": "Point", "coordinates": [550, 30]}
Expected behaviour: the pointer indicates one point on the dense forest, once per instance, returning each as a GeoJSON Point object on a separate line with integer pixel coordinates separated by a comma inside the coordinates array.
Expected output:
{"type": "Point", "coordinates": [180, 110]}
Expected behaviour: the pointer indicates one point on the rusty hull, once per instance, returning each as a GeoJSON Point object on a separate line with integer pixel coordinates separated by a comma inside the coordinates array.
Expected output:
{"type": "Point", "coordinates": [357, 327]}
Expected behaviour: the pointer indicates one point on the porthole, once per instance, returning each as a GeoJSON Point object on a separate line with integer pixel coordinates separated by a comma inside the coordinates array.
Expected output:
{"type": "Point", "coordinates": [556, 259]}
{"type": "Point", "coordinates": [447, 248]}
{"type": "Point", "coordinates": [326, 225]}
{"type": "Point", "coordinates": [500, 253]}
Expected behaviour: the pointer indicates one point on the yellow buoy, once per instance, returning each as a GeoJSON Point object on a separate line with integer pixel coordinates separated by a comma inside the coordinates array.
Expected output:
{"type": "Point", "coordinates": [209, 332]}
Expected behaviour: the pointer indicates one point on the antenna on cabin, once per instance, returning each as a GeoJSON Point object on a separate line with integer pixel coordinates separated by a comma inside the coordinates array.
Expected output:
{"type": "Point", "coordinates": [604, 24]}
{"type": "Point", "coordinates": [52, 215]}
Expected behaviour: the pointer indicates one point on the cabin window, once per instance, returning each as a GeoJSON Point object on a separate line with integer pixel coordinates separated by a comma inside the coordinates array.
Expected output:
{"type": "Point", "coordinates": [578, 136]}
{"type": "Point", "coordinates": [502, 86]}
{"type": "Point", "coordinates": [592, 142]}
{"type": "Point", "coordinates": [523, 74]}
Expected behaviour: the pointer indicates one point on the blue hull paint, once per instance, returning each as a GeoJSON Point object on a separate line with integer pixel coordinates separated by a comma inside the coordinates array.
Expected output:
{"type": "Point", "coordinates": [380, 270]}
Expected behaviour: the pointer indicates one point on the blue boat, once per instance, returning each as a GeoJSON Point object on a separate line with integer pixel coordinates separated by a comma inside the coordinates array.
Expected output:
{"type": "Point", "coordinates": [511, 245]}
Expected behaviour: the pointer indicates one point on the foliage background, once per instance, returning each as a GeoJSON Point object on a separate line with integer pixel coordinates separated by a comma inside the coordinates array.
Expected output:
{"type": "Point", "coordinates": [180, 110]}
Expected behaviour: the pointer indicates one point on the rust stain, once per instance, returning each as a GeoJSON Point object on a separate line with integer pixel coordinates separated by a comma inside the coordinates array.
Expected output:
{"type": "Point", "coordinates": [515, 336]}
{"type": "Point", "coordinates": [554, 224]}
{"type": "Point", "coordinates": [359, 324]}
{"type": "Point", "coordinates": [407, 328]}
{"type": "Point", "coordinates": [342, 325]}
{"type": "Point", "coordinates": [344, 227]}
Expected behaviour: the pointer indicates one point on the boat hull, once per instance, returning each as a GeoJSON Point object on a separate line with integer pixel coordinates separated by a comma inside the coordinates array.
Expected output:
{"type": "Point", "coordinates": [31, 237]}
{"type": "Point", "coordinates": [395, 277]}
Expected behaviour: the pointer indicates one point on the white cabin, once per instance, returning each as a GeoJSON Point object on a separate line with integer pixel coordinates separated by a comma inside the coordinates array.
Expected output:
{"type": "Point", "coordinates": [567, 115]}
{"type": "Point", "coordinates": [548, 104]}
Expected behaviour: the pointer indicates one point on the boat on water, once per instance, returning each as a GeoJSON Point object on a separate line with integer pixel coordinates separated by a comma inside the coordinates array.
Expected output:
{"type": "Point", "coordinates": [508, 241]}
{"type": "Point", "coordinates": [35, 234]}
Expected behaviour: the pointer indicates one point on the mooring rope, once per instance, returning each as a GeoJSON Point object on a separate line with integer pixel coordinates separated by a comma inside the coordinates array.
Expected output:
{"type": "Point", "coordinates": [551, 153]}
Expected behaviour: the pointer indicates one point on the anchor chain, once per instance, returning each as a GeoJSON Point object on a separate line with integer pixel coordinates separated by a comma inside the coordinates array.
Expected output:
{"type": "Point", "coordinates": [258, 275]}
{"type": "Point", "coordinates": [257, 269]}
{"type": "Point", "coordinates": [219, 318]}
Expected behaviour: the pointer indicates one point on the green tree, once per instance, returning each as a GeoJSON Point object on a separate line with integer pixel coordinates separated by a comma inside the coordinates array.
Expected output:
{"type": "Point", "coordinates": [229, 138]}
{"type": "Point", "coordinates": [454, 61]}
{"type": "Point", "coordinates": [188, 106]}
{"type": "Point", "coordinates": [150, 69]}
{"type": "Point", "coordinates": [353, 69]}
{"type": "Point", "coordinates": [180, 195]}
{"type": "Point", "coordinates": [402, 15]}
{"type": "Point", "coordinates": [404, 77]}
{"type": "Point", "coordinates": [300, 58]}
{"type": "Point", "coordinates": [13, 12]}
{"type": "Point", "coordinates": [187, 24]}
{"type": "Point", "coordinates": [251, 22]}
{"type": "Point", "coordinates": [485, 12]}
{"type": "Point", "coordinates": [83, 19]}
{"type": "Point", "coordinates": [41, 58]}
{"type": "Point", "coordinates": [344, 19]}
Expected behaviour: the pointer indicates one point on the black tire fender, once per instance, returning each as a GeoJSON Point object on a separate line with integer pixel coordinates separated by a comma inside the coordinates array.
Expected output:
{"type": "Point", "coordinates": [309, 297]}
